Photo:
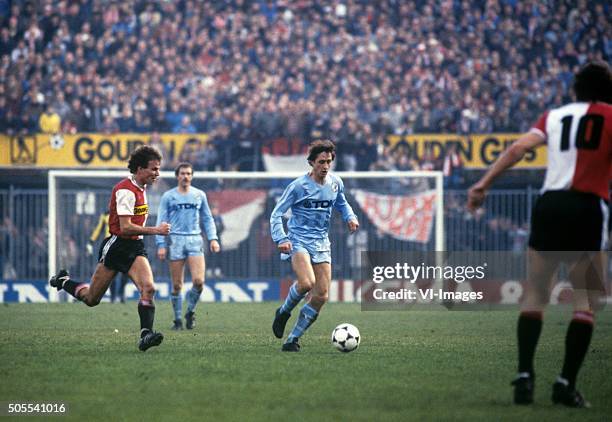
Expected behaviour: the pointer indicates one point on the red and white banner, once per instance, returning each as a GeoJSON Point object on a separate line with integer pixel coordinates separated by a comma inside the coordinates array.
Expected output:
{"type": "Point", "coordinates": [408, 217]}
{"type": "Point", "coordinates": [285, 155]}
{"type": "Point", "coordinates": [238, 209]}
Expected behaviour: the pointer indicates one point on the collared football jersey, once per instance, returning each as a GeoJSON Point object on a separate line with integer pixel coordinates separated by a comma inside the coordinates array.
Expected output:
{"type": "Point", "coordinates": [186, 213]}
{"type": "Point", "coordinates": [311, 207]}
{"type": "Point", "coordinates": [130, 199]}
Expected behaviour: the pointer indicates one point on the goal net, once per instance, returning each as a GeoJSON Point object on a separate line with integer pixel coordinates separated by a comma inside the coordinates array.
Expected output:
{"type": "Point", "coordinates": [397, 211]}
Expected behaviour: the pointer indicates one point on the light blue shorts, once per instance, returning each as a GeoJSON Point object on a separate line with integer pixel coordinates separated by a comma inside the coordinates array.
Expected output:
{"type": "Point", "coordinates": [319, 250]}
{"type": "Point", "coordinates": [183, 246]}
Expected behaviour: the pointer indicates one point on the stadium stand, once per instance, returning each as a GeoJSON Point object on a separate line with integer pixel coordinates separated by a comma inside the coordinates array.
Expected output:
{"type": "Point", "coordinates": [247, 71]}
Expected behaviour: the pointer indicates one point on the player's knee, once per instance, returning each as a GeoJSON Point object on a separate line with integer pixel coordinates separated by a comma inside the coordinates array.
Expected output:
{"type": "Point", "coordinates": [148, 291]}
{"type": "Point", "coordinates": [198, 283]}
{"type": "Point", "coordinates": [305, 285]}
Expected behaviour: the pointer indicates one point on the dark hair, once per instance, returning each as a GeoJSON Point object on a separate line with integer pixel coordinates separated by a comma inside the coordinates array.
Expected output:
{"type": "Point", "coordinates": [141, 156]}
{"type": "Point", "coordinates": [321, 145]}
{"type": "Point", "coordinates": [593, 82]}
{"type": "Point", "coordinates": [184, 164]}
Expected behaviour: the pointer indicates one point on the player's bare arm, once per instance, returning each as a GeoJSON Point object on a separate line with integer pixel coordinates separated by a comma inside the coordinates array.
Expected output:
{"type": "Point", "coordinates": [511, 156]}
{"type": "Point", "coordinates": [130, 229]}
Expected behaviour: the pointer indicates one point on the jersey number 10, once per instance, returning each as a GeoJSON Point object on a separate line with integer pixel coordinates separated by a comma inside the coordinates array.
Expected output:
{"type": "Point", "coordinates": [593, 123]}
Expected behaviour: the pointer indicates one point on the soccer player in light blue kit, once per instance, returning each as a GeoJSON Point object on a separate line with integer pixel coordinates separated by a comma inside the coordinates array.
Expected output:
{"type": "Point", "coordinates": [311, 199]}
{"type": "Point", "coordinates": [187, 208]}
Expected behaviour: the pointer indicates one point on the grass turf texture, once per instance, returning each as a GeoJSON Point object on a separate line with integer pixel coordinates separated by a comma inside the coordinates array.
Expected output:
{"type": "Point", "coordinates": [411, 365]}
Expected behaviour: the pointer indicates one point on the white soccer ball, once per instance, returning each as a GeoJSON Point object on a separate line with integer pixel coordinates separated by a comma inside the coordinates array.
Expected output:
{"type": "Point", "coordinates": [346, 337]}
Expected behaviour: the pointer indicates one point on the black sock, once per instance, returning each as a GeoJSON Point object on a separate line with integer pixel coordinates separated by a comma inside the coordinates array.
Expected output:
{"type": "Point", "coordinates": [577, 342]}
{"type": "Point", "coordinates": [528, 332]}
{"type": "Point", "coordinates": [146, 311]}
{"type": "Point", "coordinates": [70, 287]}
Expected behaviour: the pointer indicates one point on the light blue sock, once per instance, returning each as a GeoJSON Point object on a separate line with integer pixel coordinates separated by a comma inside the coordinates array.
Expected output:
{"type": "Point", "coordinates": [177, 305]}
{"type": "Point", "coordinates": [308, 315]}
{"type": "Point", "coordinates": [192, 298]}
{"type": "Point", "coordinates": [292, 299]}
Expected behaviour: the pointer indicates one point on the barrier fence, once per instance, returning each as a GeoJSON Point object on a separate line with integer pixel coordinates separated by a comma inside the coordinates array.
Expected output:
{"type": "Point", "coordinates": [503, 225]}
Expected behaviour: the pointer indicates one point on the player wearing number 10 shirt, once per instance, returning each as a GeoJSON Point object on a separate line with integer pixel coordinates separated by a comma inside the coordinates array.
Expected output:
{"type": "Point", "coordinates": [569, 224]}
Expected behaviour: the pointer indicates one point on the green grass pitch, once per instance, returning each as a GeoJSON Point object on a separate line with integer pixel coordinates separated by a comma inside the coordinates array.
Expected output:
{"type": "Point", "coordinates": [411, 365]}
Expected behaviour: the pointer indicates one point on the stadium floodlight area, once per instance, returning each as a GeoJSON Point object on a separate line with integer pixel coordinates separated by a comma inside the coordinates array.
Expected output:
{"type": "Point", "coordinates": [398, 211]}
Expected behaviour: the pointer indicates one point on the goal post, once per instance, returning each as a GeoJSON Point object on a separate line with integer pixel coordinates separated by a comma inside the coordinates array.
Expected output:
{"type": "Point", "coordinates": [377, 195]}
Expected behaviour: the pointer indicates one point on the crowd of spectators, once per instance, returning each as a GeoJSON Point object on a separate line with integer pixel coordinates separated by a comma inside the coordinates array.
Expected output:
{"type": "Point", "coordinates": [250, 71]}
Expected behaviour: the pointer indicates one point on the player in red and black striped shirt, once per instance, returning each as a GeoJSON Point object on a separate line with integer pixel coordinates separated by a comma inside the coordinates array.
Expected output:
{"type": "Point", "coordinates": [570, 218]}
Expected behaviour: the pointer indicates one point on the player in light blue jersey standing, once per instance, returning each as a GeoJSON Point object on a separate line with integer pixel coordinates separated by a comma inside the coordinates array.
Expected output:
{"type": "Point", "coordinates": [311, 199]}
{"type": "Point", "coordinates": [187, 208]}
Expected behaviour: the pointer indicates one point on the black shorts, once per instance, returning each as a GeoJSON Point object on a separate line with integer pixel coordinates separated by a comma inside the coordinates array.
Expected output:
{"type": "Point", "coordinates": [569, 221]}
{"type": "Point", "coordinates": [119, 254]}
